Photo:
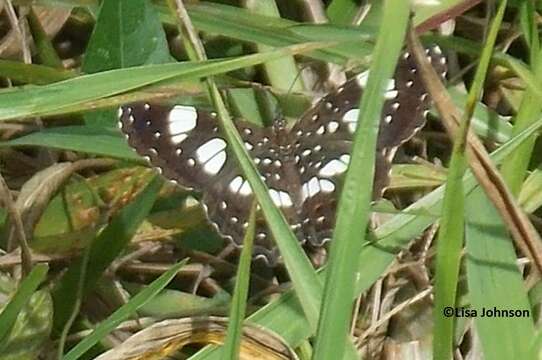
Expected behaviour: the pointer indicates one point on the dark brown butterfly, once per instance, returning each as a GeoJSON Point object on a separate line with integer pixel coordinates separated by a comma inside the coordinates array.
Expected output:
{"type": "Point", "coordinates": [299, 165]}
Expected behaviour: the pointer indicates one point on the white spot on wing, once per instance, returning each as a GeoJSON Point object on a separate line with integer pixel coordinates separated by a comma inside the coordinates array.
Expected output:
{"type": "Point", "coordinates": [210, 149]}
{"type": "Point", "coordinates": [236, 184]}
{"type": "Point", "coordinates": [332, 168]}
{"type": "Point", "coordinates": [305, 191]}
{"type": "Point", "coordinates": [314, 186]}
{"type": "Point", "coordinates": [332, 126]}
{"type": "Point", "coordinates": [362, 78]}
{"type": "Point", "coordinates": [182, 119]}
{"type": "Point", "coordinates": [214, 165]}
{"type": "Point", "coordinates": [326, 185]}
{"type": "Point", "coordinates": [351, 118]}
{"type": "Point", "coordinates": [275, 196]}
{"type": "Point", "coordinates": [245, 189]}
{"type": "Point", "coordinates": [176, 139]}
{"type": "Point", "coordinates": [391, 93]}
{"type": "Point", "coordinates": [285, 199]}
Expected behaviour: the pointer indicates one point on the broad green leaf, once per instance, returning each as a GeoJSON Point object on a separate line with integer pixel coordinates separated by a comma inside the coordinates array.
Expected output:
{"type": "Point", "coordinates": [127, 33]}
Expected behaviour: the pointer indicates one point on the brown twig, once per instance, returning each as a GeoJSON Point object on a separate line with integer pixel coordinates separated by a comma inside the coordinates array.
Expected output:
{"type": "Point", "coordinates": [523, 232]}
{"type": "Point", "coordinates": [17, 227]}
{"type": "Point", "coordinates": [19, 30]}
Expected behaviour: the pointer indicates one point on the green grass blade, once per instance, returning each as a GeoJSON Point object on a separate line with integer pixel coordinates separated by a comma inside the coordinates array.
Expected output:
{"type": "Point", "coordinates": [242, 25]}
{"type": "Point", "coordinates": [342, 11]}
{"type": "Point", "coordinates": [86, 139]}
{"type": "Point", "coordinates": [449, 245]}
{"type": "Point", "coordinates": [451, 232]}
{"type": "Point", "coordinates": [232, 342]}
{"type": "Point", "coordinates": [32, 73]}
{"type": "Point", "coordinates": [283, 73]}
{"type": "Point", "coordinates": [494, 281]}
{"type": "Point", "coordinates": [514, 169]}
{"type": "Point", "coordinates": [354, 205]}
{"type": "Point", "coordinates": [28, 286]}
{"type": "Point", "coordinates": [123, 312]}
{"type": "Point", "coordinates": [31, 101]}
{"type": "Point", "coordinates": [104, 249]}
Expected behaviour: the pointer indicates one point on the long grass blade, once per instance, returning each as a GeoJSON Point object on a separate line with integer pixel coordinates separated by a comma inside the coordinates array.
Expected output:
{"type": "Point", "coordinates": [42, 100]}
{"type": "Point", "coordinates": [232, 342]}
{"type": "Point", "coordinates": [354, 204]}
{"type": "Point", "coordinates": [450, 237]}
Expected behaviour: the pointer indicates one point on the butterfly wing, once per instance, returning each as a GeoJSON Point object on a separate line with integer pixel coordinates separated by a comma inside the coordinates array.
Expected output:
{"type": "Point", "coordinates": [187, 146]}
{"type": "Point", "coordinates": [325, 132]}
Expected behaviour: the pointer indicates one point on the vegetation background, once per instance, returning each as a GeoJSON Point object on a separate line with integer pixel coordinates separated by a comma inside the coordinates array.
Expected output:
{"type": "Point", "coordinates": [94, 246]}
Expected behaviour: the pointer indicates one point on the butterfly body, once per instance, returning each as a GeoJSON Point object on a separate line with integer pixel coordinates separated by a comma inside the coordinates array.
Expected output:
{"type": "Point", "coordinates": [300, 166]}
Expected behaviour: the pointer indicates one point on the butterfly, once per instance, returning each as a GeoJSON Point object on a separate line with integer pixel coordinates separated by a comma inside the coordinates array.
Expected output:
{"type": "Point", "coordinates": [300, 165]}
